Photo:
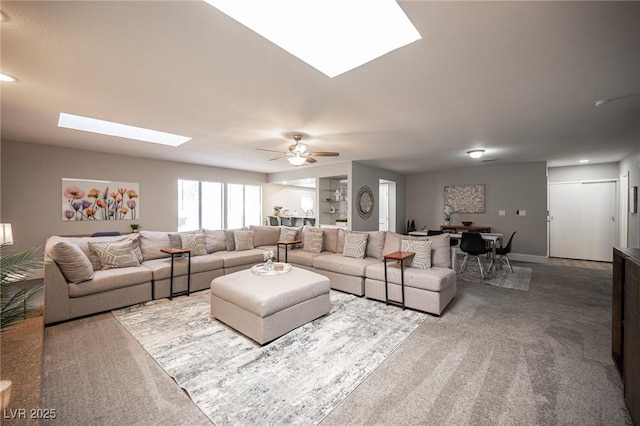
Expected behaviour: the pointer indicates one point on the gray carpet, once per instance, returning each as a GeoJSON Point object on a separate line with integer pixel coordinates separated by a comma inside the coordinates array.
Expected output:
{"type": "Point", "coordinates": [499, 276]}
{"type": "Point", "coordinates": [298, 378]}
{"type": "Point", "coordinates": [496, 356]}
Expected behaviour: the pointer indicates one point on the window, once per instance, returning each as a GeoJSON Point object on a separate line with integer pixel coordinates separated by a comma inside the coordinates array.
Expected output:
{"type": "Point", "coordinates": [244, 205]}
{"type": "Point", "coordinates": [201, 205]}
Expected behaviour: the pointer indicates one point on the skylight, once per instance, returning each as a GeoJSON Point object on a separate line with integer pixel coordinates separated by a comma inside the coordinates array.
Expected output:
{"type": "Point", "coordinates": [333, 36]}
{"type": "Point", "coordinates": [86, 124]}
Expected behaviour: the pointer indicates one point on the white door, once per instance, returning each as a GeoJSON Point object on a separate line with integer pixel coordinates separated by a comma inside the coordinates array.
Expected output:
{"type": "Point", "coordinates": [383, 224]}
{"type": "Point", "coordinates": [582, 220]}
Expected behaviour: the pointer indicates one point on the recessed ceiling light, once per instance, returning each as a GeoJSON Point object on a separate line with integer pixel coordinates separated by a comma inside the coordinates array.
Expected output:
{"type": "Point", "coordinates": [86, 124]}
{"type": "Point", "coordinates": [583, 161]}
{"type": "Point", "coordinates": [475, 153]}
{"type": "Point", "coordinates": [333, 36]}
{"type": "Point", "coordinates": [6, 78]}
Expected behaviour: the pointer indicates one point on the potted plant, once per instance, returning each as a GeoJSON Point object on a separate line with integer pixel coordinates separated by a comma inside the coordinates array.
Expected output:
{"type": "Point", "coordinates": [134, 227]}
{"type": "Point", "coordinates": [14, 268]}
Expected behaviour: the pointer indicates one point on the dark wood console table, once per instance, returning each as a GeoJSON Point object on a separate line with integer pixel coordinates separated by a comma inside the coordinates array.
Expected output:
{"type": "Point", "coordinates": [625, 325]}
{"type": "Point", "coordinates": [462, 228]}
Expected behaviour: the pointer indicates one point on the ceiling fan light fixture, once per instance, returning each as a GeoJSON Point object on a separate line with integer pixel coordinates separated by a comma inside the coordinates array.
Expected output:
{"type": "Point", "coordinates": [475, 153]}
{"type": "Point", "coordinates": [297, 160]}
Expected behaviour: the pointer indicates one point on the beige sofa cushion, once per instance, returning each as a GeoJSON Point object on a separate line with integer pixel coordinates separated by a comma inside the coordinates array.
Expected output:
{"type": "Point", "coordinates": [151, 242]}
{"type": "Point", "coordinates": [343, 265]}
{"type": "Point", "coordinates": [72, 261]}
{"type": "Point", "coordinates": [265, 235]}
{"type": "Point", "coordinates": [434, 279]}
{"type": "Point", "coordinates": [240, 258]}
{"type": "Point", "coordinates": [302, 257]}
{"type": "Point", "coordinates": [375, 244]}
{"type": "Point", "coordinates": [215, 240]}
{"type": "Point", "coordinates": [392, 242]}
{"type": "Point", "coordinates": [112, 279]}
{"type": "Point", "coordinates": [440, 249]}
{"type": "Point", "coordinates": [162, 267]}
{"type": "Point", "coordinates": [331, 239]}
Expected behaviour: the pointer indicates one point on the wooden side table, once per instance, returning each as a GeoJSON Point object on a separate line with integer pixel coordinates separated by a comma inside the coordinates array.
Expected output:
{"type": "Point", "coordinates": [286, 244]}
{"type": "Point", "coordinates": [174, 252]}
{"type": "Point", "coordinates": [399, 256]}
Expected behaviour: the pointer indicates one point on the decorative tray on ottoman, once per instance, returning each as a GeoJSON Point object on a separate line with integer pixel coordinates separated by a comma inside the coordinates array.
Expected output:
{"type": "Point", "coordinates": [279, 268]}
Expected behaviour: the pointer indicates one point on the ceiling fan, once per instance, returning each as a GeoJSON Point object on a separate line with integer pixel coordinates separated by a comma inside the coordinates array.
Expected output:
{"type": "Point", "coordinates": [298, 155]}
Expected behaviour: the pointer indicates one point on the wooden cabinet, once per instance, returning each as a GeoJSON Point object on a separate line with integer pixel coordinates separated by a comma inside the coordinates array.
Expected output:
{"type": "Point", "coordinates": [625, 325]}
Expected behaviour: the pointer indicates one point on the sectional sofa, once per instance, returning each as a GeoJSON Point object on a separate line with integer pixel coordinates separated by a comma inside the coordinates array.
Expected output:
{"type": "Point", "coordinates": [87, 275]}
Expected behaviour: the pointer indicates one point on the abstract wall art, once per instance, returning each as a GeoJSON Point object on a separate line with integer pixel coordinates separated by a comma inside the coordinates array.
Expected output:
{"type": "Point", "coordinates": [85, 199]}
{"type": "Point", "coordinates": [465, 198]}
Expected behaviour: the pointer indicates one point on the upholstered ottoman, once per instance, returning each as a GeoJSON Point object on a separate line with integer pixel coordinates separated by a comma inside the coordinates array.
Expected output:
{"type": "Point", "coordinates": [264, 308]}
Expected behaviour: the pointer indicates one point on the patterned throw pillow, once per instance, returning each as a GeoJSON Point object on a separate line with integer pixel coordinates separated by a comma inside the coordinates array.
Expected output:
{"type": "Point", "coordinates": [313, 241]}
{"type": "Point", "coordinates": [197, 243]}
{"type": "Point", "coordinates": [355, 244]}
{"type": "Point", "coordinates": [115, 255]}
{"type": "Point", "coordinates": [73, 263]}
{"type": "Point", "coordinates": [243, 240]}
{"type": "Point", "coordinates": [288, 234]}
{"type": "Point", "coordinates": [422, 250]}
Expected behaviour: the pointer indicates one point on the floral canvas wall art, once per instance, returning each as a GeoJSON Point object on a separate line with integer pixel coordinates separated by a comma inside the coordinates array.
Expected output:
{"type": "Point", "coordinates": [84, 199]}
{"type": "Point", "coordinates": [465, 198]}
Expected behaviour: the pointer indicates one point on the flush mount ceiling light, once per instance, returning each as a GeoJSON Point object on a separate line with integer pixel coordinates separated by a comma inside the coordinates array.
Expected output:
{"type": "Point", "coordinates": [475, 153]}
{"type": "Point", "coordinates": [333, 36]}
{"type": "Point", "coordinates": [6, 78]}
{"type": "Point", "coordinates": [86, 124]}
{"type": "Point", "coordinates": [583, 161]}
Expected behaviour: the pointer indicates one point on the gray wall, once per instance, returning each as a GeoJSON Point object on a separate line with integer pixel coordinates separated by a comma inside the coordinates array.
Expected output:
{"type": "Point", "coordinates": [508, 187]}
{"type": "Point", "coordinates": [31, 188]}
{"type": "Point", "coordinates": [362, 175]}
{"type": "Point", "coordinates": [631, 165]}
{"type": "Point", "coordinates": [585, 172]}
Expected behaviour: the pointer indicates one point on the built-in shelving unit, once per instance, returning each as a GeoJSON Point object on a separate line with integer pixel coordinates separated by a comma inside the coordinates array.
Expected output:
{"type": "Point", "coordinates": [333, 200]}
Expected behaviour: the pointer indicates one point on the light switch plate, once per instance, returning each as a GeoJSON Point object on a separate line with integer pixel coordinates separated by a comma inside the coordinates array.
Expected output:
{"type": "Point", "coordinates": [502, 213]}
{"type": "Point", "coordinates": [521, 212]}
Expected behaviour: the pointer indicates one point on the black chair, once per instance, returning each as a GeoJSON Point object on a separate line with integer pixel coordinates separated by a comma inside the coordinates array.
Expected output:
{"type": "Point", "coordinates": [504, 251]}
{"type": "Point", "coordinates": [106, 234]}
{"type": "Point", "coordinates": [473, 245]}
{"type": "Point", "coordinates": [273, 220]}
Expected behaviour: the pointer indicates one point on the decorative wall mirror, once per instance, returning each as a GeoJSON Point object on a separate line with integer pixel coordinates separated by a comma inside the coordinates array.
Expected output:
{"type": "Point", "coordinates": [306, 203]}
{"type": "Point", "coordinates": [365, 202]}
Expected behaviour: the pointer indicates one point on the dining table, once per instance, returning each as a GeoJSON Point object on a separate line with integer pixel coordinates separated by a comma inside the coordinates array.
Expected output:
{"type": "Point", "coordinates": [492, 238]}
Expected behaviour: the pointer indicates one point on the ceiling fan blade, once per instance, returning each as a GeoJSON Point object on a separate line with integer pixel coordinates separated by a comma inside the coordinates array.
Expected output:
{"type": "Point", "coordinates": [270, 150]}
{"type": "Point", "coordinates": [311, 160]}
{"type": "Point", "coordinates": [325, 154]}
{"type": "Point", "coordinates": [277, 158]}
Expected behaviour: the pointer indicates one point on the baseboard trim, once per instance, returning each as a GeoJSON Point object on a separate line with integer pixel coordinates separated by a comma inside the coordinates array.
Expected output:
{"type": "Point", "coordinates": [528, 258]}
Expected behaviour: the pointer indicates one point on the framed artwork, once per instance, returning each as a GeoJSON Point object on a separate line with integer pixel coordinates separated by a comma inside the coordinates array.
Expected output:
{"type": "Point", "coordinates": [85, 199]}
{"type": "Point", "coordinates": [365, 202]}
{"type": "Point", "coordinates": [465, 198]}
{"type": "Point", "coordinates": [633, 199]}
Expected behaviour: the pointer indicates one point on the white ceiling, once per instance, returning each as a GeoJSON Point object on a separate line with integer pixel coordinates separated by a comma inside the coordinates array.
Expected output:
{"type": "Point", "coordinates": [518, 79]}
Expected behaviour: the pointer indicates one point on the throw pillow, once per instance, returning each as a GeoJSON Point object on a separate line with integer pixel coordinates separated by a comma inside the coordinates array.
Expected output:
{"type": "Point", "coordinates": [375, 244]}
{"type": "Point", "coordinates": [73, 263]}
{"type": "Point", "coordinates": [115, 255]}
{"type": "Point", "coordinates": [440, 250]}
{"type": "Point", "coordinates": [422, 250]}
{"type": "Point", "coordinates": [229, 240]}
{"type": "Point", "coordinates": [355, 244]}
{"type": "Point", "coordinates": [197, 243]}
{"type": "Point", "coordinates": [243, 240]}
{"type": "Point", "coordinates": [215, 240]}
{"type": "Point", "coordinates": [340, 243]}
{"type": "Point", "coordinates": [175, 241]}
{"type": "Point", "coordinates": [288, 234]}
{"type": "Point", "coordinates": [313, 241]}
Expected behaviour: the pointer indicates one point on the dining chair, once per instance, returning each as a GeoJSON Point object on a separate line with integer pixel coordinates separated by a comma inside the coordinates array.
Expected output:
{"type": "Point", "coordinates": [473, 245]}
{"type": "Point", "coordinates": [504, 251]}
{"type": "Point", "coordinates": [274, 220]}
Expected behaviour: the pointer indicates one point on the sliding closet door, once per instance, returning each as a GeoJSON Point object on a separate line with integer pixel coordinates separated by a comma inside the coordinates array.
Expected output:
{"type": "Point", "coordinates": [582, 220]}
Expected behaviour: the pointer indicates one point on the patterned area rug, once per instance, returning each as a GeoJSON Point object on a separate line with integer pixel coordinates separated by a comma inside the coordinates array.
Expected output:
{"type": "Point", "coordinates": [502, 276]}
{"type": "Point", "coordinates": [298, 378]}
